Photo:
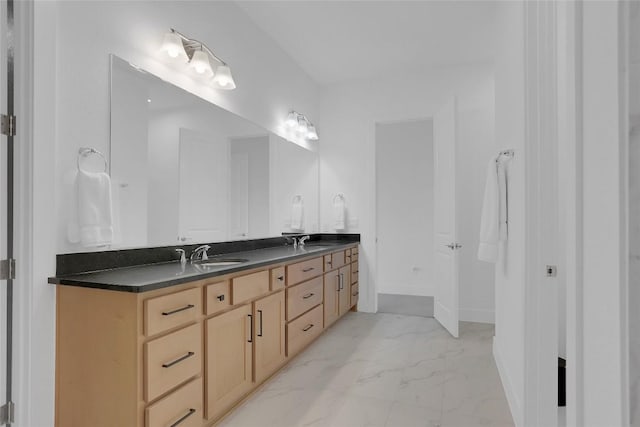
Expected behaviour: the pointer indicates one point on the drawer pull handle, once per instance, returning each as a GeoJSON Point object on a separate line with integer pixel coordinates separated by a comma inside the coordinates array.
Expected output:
{"type": "Point", "coordinates": [178, 360]}
{"type": "Point", "coordinates": [308, 295]}
{"type": "Point", "coordinates": [177, 310]}
{"type": "Point", "coordinates": [306, 270]}
{"type": "Point", "coordinates": [356, 294]}
{"type": "Point", "coordinates": [220, 297]}
{"type": "Point", "coordinates": [184, 417]}
{"type": "Point", "coordinates": [281, 278]}
{"type": "Point", "coordinates": [306, 328]}
{"type": "Point", "coordinates": [329, 262]}
{"type": "Point", "coordinates": [260, 313]}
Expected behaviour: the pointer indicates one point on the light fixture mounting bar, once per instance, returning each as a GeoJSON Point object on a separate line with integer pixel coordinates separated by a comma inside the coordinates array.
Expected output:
{"type": "Point", "coordinates": [191, 45]}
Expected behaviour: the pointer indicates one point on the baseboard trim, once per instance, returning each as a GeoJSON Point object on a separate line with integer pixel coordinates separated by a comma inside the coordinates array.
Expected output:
{"type": "Point", "coordinates": [476, 315]}
{"type": "Point", "coordinates": [398, 289]}
{"type": "Point", "coordinates": [514, 404]}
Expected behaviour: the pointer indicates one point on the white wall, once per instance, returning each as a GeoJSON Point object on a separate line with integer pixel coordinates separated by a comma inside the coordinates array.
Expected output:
{"type": "Point", "coordinates": [476, 145]}
{"type": "Point", "coordinates": [404, 199]}
{"type": "Point", "coordinates": [348, 113]}
{"type": "Point", "coordinates": [510, 274]}
{"type": "Point", "coordinates": [72, 41]}
{"type": "Point", "coordinates": [605, 375]}
{"type": "Point", "coordinates": [269, 82]}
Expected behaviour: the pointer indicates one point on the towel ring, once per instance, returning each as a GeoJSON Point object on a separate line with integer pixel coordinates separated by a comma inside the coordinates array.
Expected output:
{"type": "Point", "coordinates": [338, 196]}
{"type": "Point", "coordinates": [86, 152]}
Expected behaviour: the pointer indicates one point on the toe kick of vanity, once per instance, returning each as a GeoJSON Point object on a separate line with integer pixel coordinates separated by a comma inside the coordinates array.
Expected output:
{"type": "Point", "coordinates": [188, 354]}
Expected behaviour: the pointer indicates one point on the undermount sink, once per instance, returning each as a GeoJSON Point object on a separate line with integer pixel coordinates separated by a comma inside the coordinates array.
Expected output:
{"type": "Point", "coordinates": [219, 262]}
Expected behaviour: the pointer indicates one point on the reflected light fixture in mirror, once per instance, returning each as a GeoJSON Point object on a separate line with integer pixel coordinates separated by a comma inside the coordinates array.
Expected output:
{"type": "Point", "coordinates": [198, 56]}
{"type": "Point", "coordinates": [300, 124]}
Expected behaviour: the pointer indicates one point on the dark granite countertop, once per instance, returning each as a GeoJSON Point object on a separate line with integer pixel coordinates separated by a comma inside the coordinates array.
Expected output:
{"type": "Point", "coordinates": [143, 278]}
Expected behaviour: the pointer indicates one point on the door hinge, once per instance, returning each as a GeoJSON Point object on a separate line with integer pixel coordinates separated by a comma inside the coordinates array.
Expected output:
{"type": "Point", "coordinates": [7, 269]}
{"type": "Point", "coordinates": [7, 413]}
{"type": "Point", "coordinates": [8, 125]}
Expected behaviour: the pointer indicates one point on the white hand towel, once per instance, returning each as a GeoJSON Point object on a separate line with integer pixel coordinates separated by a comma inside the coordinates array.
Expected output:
{"type": "Point", "coordinates": [339, 212]}
{"type": "Point", "coordinates": [502, 197]}
{"type": "Point", "coordinates": [297, 213]}
{"type": "Point", "coordinates": [489, 224]}
{"type": "Point", "coordinates": [94, 209]}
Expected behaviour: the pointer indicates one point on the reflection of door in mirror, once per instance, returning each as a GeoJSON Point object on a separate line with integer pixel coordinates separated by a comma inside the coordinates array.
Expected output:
{"type": "Point", "coordinates": [250, 184]}
{"type": "Point", "coordinates": [204, 176]}
{"type": "Point", "coordinates": [239, 207]}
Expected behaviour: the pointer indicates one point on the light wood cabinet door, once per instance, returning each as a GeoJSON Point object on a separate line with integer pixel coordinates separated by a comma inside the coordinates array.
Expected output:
{"type": "Point", "coordinates": [344, 298]}
{"type": "Point", "coordinates": [229, 359]}
{"type": "Point", "coordinates": [269, 331]}
{"type": "Point", "coordinates": [331, 297]}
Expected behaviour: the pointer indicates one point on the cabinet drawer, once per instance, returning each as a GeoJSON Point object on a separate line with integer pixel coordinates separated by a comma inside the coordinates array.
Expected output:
{"type": "Point", "coordinates": [302, 297]}
{"type": "Point", "coordinates": [305, 270]}
{"type": "Point", "coordinates": [217, 297]}
{"type": "Point", "coordinates": [277, 278]}
{"type": "Point", "coordinates": [338, 259]}
{"type": "Point", "coordinates": [354, 257]}
{"type": "Point", "coordinates": [171, 360]}
{"type": "Point", "coordinates": [169, 311]}
{"type": "Point", "coordinates": [250, 286]}
{"type": "Point", "coordinates": [347, 256]}
{"type": "Point", "coordinates": [303, 330]}
{"type": "Point", "coordinates": [181, 408]}
{"type": "Point", "coordinates": [355, 251]}
{"type": "Point", "coordinates": [355, 293]}
{"type": "Point", "coordinates": [354, 272]}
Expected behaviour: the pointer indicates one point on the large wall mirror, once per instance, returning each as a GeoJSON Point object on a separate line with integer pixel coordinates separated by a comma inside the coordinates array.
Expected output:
{"type": "Point", "coordinates": [185, 171]}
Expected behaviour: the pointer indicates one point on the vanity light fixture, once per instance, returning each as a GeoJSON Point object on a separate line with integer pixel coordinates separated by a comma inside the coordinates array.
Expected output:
{"type": "Point", "coordinates": [300, 124]}
{"type": "Point", "coordinates": [199, 57]}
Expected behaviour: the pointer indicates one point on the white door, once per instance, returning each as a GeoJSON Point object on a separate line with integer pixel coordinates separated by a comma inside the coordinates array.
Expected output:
{"type": "Point", "coordinates": [446, 245]}
{"type": "Point", "coordinates": [204, 188]}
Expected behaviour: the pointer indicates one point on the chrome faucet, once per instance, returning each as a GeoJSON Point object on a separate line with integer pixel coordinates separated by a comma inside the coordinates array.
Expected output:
{"type": "Point", "coordinates": [183, 258]}
{"type": "Point", "coordinates": [303, 239]}
{"type": "Point", "coordinates": [200, 251]}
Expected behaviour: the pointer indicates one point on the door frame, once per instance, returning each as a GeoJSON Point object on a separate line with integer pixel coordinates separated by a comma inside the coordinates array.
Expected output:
{"type": "Point", "coordinates": [373, 262]}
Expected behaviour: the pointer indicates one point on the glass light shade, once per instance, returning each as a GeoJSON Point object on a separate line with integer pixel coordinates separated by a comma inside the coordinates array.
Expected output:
{"type": "Point", "coordinates": [172, 45]}
{"type": "Point", "coordinates": [200, 63]}
{"type": "Point", "coordinates": [302, 126]}
{"type": "Point", "coordinates": [292, 119]}
{"type": "Point", "coordinates": [312, 134]}
{"type": "Point", "coordinates": [223, 78]}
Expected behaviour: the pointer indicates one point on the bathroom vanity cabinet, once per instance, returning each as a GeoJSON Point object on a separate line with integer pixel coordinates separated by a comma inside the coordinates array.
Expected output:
{"type": "Point", "coordinates": [187, 354]}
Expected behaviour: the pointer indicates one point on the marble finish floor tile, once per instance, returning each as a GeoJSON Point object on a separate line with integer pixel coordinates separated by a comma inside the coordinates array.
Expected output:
{"type": "Point", "coordinates": [385, 370]}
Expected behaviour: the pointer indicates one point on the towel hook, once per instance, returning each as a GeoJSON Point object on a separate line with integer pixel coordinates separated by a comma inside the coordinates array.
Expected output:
{"type": "Point", "coordinates": [86, 152]}
{"type": "Point", "coordinates": [296, 198]}
{"type": "Point", "coordinates": [338, 196]}
{"type": "Point", "coordinates": [507, 153]}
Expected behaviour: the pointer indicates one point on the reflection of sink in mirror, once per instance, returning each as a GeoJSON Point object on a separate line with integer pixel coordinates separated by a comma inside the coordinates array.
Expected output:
{"type": "Point", "coordinates": [221, 262]}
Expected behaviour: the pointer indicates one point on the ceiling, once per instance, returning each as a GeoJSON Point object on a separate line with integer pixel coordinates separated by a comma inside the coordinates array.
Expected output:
{"type": "Point", "coordinates": [335, 41]}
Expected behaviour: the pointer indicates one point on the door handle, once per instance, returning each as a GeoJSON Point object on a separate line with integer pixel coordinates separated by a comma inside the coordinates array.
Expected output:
{"type": "Point", "coordinates": [250, 328]}
{"type": "Point", "coordinates": [260, 313]}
